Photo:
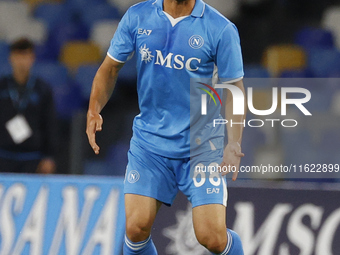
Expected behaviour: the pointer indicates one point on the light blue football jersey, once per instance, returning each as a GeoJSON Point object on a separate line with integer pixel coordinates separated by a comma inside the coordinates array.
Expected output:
{"type": "Point", "coordinates": [170, 54]}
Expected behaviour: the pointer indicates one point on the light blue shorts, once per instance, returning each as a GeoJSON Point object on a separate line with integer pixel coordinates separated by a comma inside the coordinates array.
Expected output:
{"type": "Point", "coordinates": [152, 175]}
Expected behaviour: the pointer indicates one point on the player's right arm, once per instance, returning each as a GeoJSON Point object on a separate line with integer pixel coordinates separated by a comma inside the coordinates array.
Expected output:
{"type": "Point", "coordinates": [102, 88]}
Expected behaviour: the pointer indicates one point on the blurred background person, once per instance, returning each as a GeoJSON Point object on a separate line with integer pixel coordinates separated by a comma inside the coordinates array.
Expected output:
{"type": "Point", "coordinates": [27, 116]}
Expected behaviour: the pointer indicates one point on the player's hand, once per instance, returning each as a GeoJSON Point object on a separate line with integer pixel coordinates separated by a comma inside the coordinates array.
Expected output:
{"type": "Point", "coordinates": [231, 159]}
{"type": "Point", "coordinates": [94, 124]}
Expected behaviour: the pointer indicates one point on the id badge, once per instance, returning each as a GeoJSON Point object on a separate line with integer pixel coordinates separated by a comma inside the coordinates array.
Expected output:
{"type": "Point", "coordinates": [19, 129]}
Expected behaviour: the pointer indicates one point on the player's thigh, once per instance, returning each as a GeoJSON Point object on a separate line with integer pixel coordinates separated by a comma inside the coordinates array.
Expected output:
{"type": "Point", "coordinates": [149, 175]}
{"type": "Point", "coordinates": [140, 214]}
{"type": "Point", "coordinates": [210, 223]}
{"type": "Point", "coordinates": [201, 181]}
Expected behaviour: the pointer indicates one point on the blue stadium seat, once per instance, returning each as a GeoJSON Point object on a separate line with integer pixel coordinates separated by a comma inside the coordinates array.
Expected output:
{"type": "Point", "coordinates": [5, 69]}
{"type": "Point", "coordinates": [84, 78]}
{"type": "Point", "coordinates": [77, 6]}
{"type": "Point", "coordinates": [117, 158]}
{"type": "Point", "coordinates": [99, 12]}
{"type": "Point", "coordinates": [67, 32]}
{"type": "Point", "coordinates": [314, 38]}
{"type": "Point", "coordinates": [334, 74]}
{"type": "Point", "coordinates": [255, 76]}
{"type": "Point", "coordinates": [255, 71]}
{"type": "Point", "coordinates": [67, 100]}
{"type": "Point", "coordinates": [53, 14]}
{"type": "Point", "coordinates": [296, 74]}
{"type": "Point", "coordinates": [66, 95]}
{"type": "Point", "coordinates": [53, 73]}
{"type": "Point", "coordinates": [45, 52]}
{"type": "Point", "coordinates": [4, 52]}
{"type": "Point", "coordinates": [323, 62]}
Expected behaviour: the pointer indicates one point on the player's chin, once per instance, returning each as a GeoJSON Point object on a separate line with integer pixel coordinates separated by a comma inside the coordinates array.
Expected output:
{"type": "Point", "coordinates": [181, 1]}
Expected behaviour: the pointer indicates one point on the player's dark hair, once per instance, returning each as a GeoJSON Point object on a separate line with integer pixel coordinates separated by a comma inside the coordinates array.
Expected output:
{"type": "Point", "coordinates": [21, 45]}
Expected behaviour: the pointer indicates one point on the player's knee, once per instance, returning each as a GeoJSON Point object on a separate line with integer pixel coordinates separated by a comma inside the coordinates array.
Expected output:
{"type": "Point", "coordinates": [137, 231]}
{"type": "Point", "coordinates": [214, 243]}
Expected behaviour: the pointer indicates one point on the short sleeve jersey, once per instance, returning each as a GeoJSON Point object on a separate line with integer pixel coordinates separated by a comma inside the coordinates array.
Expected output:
{"type": "Point", "coordinates": [170, 53]}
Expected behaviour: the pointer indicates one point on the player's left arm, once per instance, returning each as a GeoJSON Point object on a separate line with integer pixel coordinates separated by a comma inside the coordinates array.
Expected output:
{"type": "Point", "coordinates": [233, 153]}
{"type": "Point", "coordinates": [230, 67]}
{"type": "Point", "coordinates": [103, 85]}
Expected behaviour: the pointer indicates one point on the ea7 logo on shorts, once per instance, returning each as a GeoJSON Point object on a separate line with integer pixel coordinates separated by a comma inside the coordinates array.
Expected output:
{"type": "Point", "coordinates": [142, 31]}
{"type": "Point", "coordinates": [133, 176]}
{"type": "Point", "coordinates": [213, 190]}
{"type": "Point", "coordinates": [196, 41]}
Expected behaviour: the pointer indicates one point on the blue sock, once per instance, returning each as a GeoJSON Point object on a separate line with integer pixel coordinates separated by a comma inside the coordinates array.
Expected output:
{"type": "Point", "coordinates": [141, 248]}
{"type": "Point", "coordinates": [234, 245]}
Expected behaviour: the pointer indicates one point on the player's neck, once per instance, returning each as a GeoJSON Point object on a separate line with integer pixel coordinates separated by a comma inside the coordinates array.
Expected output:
{"type": "Point", "coordinates": [178, 8]}
{"type": "Point", "coordinates": [20, 77]}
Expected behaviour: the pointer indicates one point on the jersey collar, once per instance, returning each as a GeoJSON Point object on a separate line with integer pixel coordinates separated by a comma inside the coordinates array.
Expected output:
{"type": "Point", "coordinates": [197, 12]}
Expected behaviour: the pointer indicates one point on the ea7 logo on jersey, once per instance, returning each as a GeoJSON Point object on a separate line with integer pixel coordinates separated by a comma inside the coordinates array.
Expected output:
{"type": "Point", "coordinates": [142, 31]}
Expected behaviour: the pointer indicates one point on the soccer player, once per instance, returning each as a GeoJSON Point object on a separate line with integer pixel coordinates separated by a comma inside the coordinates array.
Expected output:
{"type": "Point", "coordinates": [176, 42]}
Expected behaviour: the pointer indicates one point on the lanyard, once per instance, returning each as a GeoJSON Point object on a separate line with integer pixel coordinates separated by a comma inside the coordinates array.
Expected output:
{"type": "Point", "coordinates": [21, 103]}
